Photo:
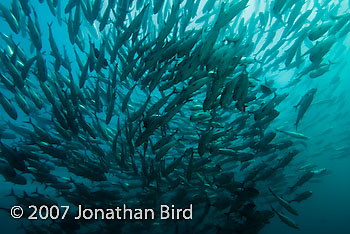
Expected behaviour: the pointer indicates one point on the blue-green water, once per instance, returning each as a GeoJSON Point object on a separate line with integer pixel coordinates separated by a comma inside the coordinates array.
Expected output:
{"type": "Point", "coordinates": [132, 172]}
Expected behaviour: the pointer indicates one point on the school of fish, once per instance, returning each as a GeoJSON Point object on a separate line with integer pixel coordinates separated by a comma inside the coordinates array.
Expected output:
{"type": "Point", "coordinates": [161, 102]}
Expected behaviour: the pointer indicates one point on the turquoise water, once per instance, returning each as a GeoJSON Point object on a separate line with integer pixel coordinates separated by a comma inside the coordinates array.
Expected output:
{"type": "Point", "coordinates": [140, 184]}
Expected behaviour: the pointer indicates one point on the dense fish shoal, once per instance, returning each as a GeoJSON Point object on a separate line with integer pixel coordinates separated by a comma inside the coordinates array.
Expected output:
{"type": "Point", "coordinates": [192, 112]}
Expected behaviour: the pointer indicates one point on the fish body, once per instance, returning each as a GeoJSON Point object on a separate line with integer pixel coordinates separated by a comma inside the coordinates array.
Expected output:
{"type": "Point", "coordinates": [293, 134]}
{"type": "Point", "coordinates": [302, 196]}
{"type": "Point", "coordinates": [284, 203]}
{"type": "Point", "coordinates": [304, 105]}
{"type": "Point", "coordinates": [285, 219]}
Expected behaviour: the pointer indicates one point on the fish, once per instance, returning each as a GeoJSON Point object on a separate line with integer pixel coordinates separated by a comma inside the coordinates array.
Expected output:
{"type": "Point", "coordinates": [293, 134]}
{"type": "Point", "coordinates": [304, 105]}
{"type": "Point", "coordinates": [286, 219]}
{"type": "Point", "coordinates": [302, 196]}
{"type": "Point", "coordinates": [167, 102]}
{"type": "Point", "coordinates": [284, 203]}
{"type": "Point", "coordinates": [319, 30]}
{"type": "Point", "coordinates": [8, 107]}
{"type": "Point", "coordinates": [318, 51]}
{"type": "Point", "coordinates": [11, 175]}
{"type": "Point", "coordinates": [302, 180]}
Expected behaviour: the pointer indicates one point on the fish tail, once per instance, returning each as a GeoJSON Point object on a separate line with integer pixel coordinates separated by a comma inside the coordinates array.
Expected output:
{"type": "Point", "coordinates": [36, 191]}
{"type": "Point", "coordinates": [12, 193]}
{"type": "Point", "coordinates": [227, 214]}
{"type": "Point", "coordinates": [273, 209]}
{"type": "Point", "coordinates": [270, 190]}
{"type": "Point", "coordinates": [29, 121]}
{"type": "Point", "coordinates": [50, 24]}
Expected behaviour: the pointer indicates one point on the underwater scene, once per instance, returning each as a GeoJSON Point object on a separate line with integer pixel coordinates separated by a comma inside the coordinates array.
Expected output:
{"type": "Point", "coordinates": [175, 116]}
